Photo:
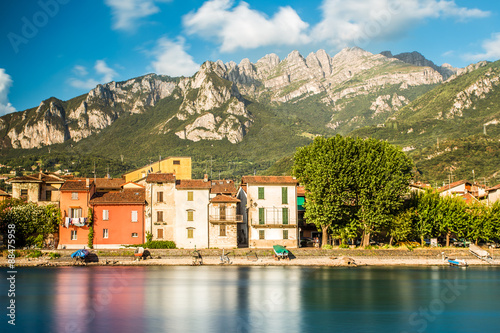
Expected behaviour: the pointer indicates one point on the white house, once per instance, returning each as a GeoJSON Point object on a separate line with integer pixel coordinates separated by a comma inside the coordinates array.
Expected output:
{"type": "Point", "coordinates": [160, 209]}
{"type": "Point", "coordinates": [271, 210]}
{"type": "Point", "coordinates": [192, 198]}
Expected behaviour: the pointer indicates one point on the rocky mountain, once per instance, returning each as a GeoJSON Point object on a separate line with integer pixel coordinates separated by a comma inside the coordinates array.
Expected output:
{"type": "Point", "coordinates": [258, 111]}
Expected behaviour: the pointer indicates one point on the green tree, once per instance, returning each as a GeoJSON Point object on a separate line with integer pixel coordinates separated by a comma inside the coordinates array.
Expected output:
{"type": "Point", "coordinates": [452, 216]}
{"type": "Point", "coordinates": [426, 216]}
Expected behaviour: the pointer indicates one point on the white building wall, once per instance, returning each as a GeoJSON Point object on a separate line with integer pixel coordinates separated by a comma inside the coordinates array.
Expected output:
{"type": "Point", "coordinates": [199, 225]}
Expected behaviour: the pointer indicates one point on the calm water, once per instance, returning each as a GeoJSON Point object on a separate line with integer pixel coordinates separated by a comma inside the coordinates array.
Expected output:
{"type": "Point", "coordinates": [254, 299]}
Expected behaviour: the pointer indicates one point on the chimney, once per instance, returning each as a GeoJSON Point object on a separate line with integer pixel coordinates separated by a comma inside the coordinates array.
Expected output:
{"type": "Point", "coordinates": [205, 178]}
{"type": "Point", "coordinates": [40, 176]}
{"type": "Point", "coordinates": [87, 182]}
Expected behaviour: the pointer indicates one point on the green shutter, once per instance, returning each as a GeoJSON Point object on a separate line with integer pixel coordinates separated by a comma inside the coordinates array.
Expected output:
{"type": "Point", "coordinates": [285, 234]}
{"type": "Point", "coordinates": [261, 234]}
{"type": "Point", "coordinates": [262, 218]}
{"type": "Point", "coordinates": [285, 215]}
{"type": "Point", "coordinates": [284, 195]}
{"type": "Point", "coordinates": [261, 193]}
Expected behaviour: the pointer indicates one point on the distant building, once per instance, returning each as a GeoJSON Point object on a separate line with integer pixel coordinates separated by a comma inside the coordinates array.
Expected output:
{"type": "Point", "coordinates": [40, 188]}
{"type": "Point", "coordinates": [160, 209]}
{"type": "Point", "coordinates": [468, 190]}
{"type": "Point", "coordinates": [4, 195]}
{"type": "Point", "coordinates": [180, 166]}
{"type": "Point", "coordinates": [493, 194]}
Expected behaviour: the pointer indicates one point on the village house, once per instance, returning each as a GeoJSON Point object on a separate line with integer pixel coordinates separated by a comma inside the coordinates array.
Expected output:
{"type": "Point", "coordinates": [160, 209]}
{"type": "Point", "coordinates": [271, 210]}
{"type": "Point", "coordinates": [74, 205]}
{"type": "Point", "coordinates": [493, 194]}
{"type": "Point", "coordinates": [469, 191]}
{"type": "Point", "coordinates": [180, 166]}
{"type": "Point", "coordinates": [192, 197]}
{"type": "Point", "coordinates": [4, 195]}
{"type": "Point", "coordinates": [40, 188]}
{"type": "Point", "coordinates": [119, 216]}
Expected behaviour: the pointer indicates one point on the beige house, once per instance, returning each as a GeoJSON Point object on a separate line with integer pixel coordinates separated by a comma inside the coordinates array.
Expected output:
{"type": "Point", "coordinates": [192, 198]}
{"type": "Point", "coordinates": [223, 222]}
{"type": "Point", "coordinates": [160, 208]}
{"type": "Point", "coordinates": [464, 188]}
{"type": "Point", "coordinates": [493, 194]}
{"type": "Point", "coordinates": [39, 188]}
{"type": "Point", "coordinates": [271, 210]}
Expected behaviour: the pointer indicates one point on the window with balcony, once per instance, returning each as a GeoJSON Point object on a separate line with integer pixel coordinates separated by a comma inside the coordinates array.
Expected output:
{"type": "Point", "coordinates": [75, 212]}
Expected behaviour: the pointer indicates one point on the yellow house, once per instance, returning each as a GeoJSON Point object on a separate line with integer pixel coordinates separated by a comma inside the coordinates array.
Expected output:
{"type": "Point", "coordinates": [180, 166]}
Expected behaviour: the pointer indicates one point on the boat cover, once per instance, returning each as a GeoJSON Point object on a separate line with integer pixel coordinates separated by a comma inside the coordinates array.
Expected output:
{"type": "Point", "coordinates": [80, 253]}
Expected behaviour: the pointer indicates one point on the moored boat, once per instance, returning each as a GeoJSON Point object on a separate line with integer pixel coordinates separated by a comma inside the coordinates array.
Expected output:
{"type": "Point", "coordinates": [280, 252]}
{"type": "Point", "coordinates": [457, 262]}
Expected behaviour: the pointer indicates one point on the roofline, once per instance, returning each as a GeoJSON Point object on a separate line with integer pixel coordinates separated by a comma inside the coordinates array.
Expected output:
{"type": "Point", "coordinates": [166, 158]}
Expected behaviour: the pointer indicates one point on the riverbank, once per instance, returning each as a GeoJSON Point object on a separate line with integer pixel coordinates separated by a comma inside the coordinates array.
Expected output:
{"type": "Point", "coordinates": [261, 257]}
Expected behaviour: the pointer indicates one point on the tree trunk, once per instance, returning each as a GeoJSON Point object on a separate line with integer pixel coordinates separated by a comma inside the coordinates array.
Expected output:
{"type": "Point", "coordinates": [477, 240]}
{"type": "Point", "coordinates": [422, 241]}
{"type": "Point", "coordinates": [390, 242]}
{"type": "Point", "coordinates": [448, 239]}
{"type": "Point", "coordinates": [324, 238]}
{"type": "Point", "coordinates": [365, 240]}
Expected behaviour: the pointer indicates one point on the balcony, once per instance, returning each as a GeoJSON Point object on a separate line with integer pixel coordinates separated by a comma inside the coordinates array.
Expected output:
{"type": "Point", "coordinates": [275, 224]}
{"type": "Point", "coordinates": [226, 218]}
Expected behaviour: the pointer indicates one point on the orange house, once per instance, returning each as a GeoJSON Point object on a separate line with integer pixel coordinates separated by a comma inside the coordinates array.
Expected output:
{"type": "Point", "coordinates": [75, 195]}
{"type": "Point", "coordinates": [119, 217]}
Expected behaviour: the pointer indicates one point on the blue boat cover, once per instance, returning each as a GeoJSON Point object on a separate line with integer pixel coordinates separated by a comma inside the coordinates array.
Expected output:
{"type": "Point", "coordinates": [80, 254]}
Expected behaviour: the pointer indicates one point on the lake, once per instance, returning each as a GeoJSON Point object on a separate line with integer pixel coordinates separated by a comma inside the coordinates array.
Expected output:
{"type": "Point", "coordinates": [254, 299]}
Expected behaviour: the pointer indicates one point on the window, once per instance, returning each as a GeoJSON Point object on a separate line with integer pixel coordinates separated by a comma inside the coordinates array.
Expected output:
{"type": "Point", "coordinates": [24, 193]}
{"type": "Point", "coordinates": [74, 196]}
{"type": "Point", "coordinates": [177, 162]}
{"type": "Point", "coordinates": [73, 235]}
{"type": "Point", "coordinates": [262, 214]}
{"type": "Point", "coordinates": [159, 216]}
{"type": "Point", "coordinates": [285, 215]}
{"type": "Point", "coordinates": [262, 234]}
{"type": "Point", "coordinates": [190, 233]}
{"type": "Point", "coordinates": [75, 212]}
{"type": "Point", "coordinates": [190, 195]}
{"type": "Point", "coordinates": [261, 193]}
{"type": "Point", "coordinates": [48, 195]}
{"type": "Point", "coordinates": [159, 234]}
{"type": "Point", "coordinates": [284, 195]}
{"type": "Point", "coordinates": [104, 233]}
{"type": "Point", "coordinates": [222, 230]}
{"type": "Point", "coordinates": [285, 234]}
{"type": "Point", "coordinates": [134, 216]}
{"type": "Point", "coordinates": [105, 215]}
{"type": "Point", "coordinates": [134, 234]}
{"type": "Point", "coordinates": [159, 196]}
{"type": "Point", "coordinates": [190, 215]}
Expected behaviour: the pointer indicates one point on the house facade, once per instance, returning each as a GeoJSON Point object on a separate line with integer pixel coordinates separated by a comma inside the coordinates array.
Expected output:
{"type": "Point", "coordinates": [40, 188]}
{"type": "Point", "coordinates": [223, 222]}
{"type": "Point", "coordinates": [493, 194]}
{"type": "Point", "coordinates": [74, 204]}
{"type": "Point", "coordinates": [271, 209]}
{"type": "Point", "coordinates": [192, 198]}
{"type": "Point", "coordinates": [160, 209]}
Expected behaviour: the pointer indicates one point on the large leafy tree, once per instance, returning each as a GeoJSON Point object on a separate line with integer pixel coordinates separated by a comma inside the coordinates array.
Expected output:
{"type": "Point", "coordinates": [351, 179]}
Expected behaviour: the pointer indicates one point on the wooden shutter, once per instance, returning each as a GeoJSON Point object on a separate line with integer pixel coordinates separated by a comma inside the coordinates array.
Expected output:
{"type": "Point", "coordinates": [285, 215]}
{"type": "Point", "coordinates": [285, 234]}
{"type": "Point", "coordinates": [190, 195]}
{"type": "Point", "coordinates": [262, 234]}
{"type": "Point", "coordinates": [262, 216]}
{"type": "Point", "coordinates": [190, 215]}
{"type": "Point", "coordinates": [159, 234]}
{"type": "Point", "coordinates": [159, 196]}
{"type": "Point", "coordinates": [284, 195]}
{"type": "Point", "coordinates": [261, 193]}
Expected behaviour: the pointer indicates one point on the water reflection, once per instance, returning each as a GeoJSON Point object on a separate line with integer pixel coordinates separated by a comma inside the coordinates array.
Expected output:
{"type": "Point", "coordinates": [257, 299]}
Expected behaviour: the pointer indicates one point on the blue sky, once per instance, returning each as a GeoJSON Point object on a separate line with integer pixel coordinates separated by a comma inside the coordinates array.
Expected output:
{"type": "Point", "coordinates": [63, 48]}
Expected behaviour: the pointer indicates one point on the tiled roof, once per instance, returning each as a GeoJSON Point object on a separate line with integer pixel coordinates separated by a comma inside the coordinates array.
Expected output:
{"type": "Point", "coordinates": [125, 197]}
{"type": "Point", "coordinates": [37, 178]}
{"type": "Point", "coordinates": [23, 179]}
{"type": "Point", "coordinates": [192, 184]}
{"type": "Point", "coordinates": [268, 180]}
{"type": "Point", "coordinates": [109, 183]}
{"type": "Point", "coordinates": [160, 178]}
{"type": "Point", "coordinates": [224, 198]}
{"type": "Point", "coordinates": [452, 185]}
{"type": "Point", "coordinates": [76, 185]}
{"type": "Point", "coordinates": [301, 191]}
{"type": "Point", "coordinates": [494, 188]}
{"type": "Point", "coordinates": [223, 186]}
{"type": "Point", "coordinates": [4, 194]}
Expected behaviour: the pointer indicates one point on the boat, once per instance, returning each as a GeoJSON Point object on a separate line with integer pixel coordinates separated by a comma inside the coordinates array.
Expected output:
{"type": "Point", "coordinates": [457, 262]}
{"type": "Point", "coordinates": [139, 252]}
{"type": "Point", "coordinates": [280, 252]}
{"type": "Point", "coordinates": [80, 254]}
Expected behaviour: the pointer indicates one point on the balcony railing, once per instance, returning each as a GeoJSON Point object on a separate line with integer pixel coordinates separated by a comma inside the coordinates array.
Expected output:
{"type": "Point", "coordinates": [275, 224]}
{"type": "Point", "coordinates": [228, 219]}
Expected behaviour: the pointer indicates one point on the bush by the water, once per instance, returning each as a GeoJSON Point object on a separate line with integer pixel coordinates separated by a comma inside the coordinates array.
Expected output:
{"type": "Point", "coordinates": [157, 245]}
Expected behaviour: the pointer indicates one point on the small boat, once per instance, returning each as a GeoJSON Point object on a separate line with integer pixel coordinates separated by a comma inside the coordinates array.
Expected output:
{"type": "Point", "coordinates": [80, 254]}
{"type": "Point", "coordinates": [280, 252]}
{"type": "Point", "coordinates": [457, 262]}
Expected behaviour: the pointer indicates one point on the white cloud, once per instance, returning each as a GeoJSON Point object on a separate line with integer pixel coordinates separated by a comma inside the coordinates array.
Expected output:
{"type": "Point", "coordinates": [5, 84]}
{"type": "Point", "coordinates": [101, 69]}
{"type": "Point", "coordinates": [172, 58]}
{"type": "Point", "coordinates": [126, 13]}
{"type": "Point", "coordinates": [243, 28]}
{"type": "Point", "coordinates": [491, 49]}
{"type": "Point", "coordinates": [347, 23]}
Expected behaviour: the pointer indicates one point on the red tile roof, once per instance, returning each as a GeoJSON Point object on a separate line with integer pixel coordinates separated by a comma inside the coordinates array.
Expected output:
{"type": "Point", "coordinates": [4, 194]}
{"type": "Point", "coordinates": [224, 198]}
{"type": "Point", "coordinates": [76, 185]}
{"type": "Point", "coordinates": [452, 185]}
{"type": "Point", "coordinates": [301, 191]}
{"type": "Point", "coordinates": [182, 184]}
{"type": "Point", "coordinates": [268, 180]}
{"type": "Point", "coordinates": [223, 186]}
{"type": "Point", "coordinates": [109, 183]}
{"type": "Point", "coordinates": [494, 188]}
{"type": "Point", "coordinates": [125, 197]}
{"type": "Point", "coordinates": [160, 178]}
{"type": "Point", "coordinates": [23, 179]}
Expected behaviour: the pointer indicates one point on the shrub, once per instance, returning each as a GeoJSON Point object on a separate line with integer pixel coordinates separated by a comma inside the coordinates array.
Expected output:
{"type": "Point", "coordinates": [54, 255]}
{"type": "Point", "coordinates": [34, 254]}
{"type": "Point", "coordinates": [327, 247]}
{"type": "Point", "coordinates": [160, 245]}
{"type": "Point", "coordinates": [343, 246]}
